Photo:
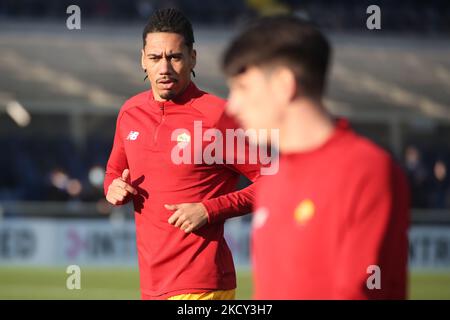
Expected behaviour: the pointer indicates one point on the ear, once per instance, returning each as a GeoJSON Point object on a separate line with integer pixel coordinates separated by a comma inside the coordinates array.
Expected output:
{"type": "Point", "coordinates": [285, 83]}
{"type": "Point", "coordinates": [193, 58]}
{"type": "Point", "coordinates": [143, 59]}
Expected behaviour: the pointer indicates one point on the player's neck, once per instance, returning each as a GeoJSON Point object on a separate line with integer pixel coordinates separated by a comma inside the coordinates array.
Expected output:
{"type": "Point", "coordinates": [306, 126]}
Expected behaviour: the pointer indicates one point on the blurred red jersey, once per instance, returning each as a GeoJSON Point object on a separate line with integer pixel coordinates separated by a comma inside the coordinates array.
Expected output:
{"type": "Point", "coordinates": [148, 140]}
{"type": "Point", "coordinates": [332, 224]}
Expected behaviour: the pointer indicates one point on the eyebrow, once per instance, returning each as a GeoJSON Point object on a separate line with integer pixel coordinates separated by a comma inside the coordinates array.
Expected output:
{"type": "Point", "coordinates": [170, 55]}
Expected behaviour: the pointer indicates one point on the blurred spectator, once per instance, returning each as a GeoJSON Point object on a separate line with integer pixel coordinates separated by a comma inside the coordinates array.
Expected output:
{"type": "Point", "coordinates": [57, 188]}
{"type": "Point", "coordinates": [439, 186]}
{"type": "Point", "coordinates": [417, 174]}
{"type": "Point", "coordinates": [94, 189]}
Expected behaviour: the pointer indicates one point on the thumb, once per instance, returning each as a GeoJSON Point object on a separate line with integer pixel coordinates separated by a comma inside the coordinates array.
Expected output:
{"type": "Point", "coordinates": [125, 174]}
{"type": "Point", "coordinates": [171, 207]}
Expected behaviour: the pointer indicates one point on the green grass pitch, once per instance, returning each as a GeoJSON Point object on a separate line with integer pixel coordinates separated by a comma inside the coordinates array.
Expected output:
{"type": "Point", "coordinates": [123, 283]}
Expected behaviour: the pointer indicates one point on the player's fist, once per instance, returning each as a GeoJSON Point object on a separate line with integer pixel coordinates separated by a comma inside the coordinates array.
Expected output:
{"type": "Point", "coordinates": [188, 216]}
{"type": "Point", "coordinates": [120, 189]}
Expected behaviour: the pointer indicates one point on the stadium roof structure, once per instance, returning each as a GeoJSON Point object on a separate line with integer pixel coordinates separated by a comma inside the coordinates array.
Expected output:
{"type": "Point", "coordinates": [50, 69]}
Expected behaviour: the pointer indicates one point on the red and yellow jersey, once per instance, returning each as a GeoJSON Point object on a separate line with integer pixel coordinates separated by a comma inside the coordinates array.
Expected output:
{"type": "Point", "coordinates": [149, 136]}
{"type": "Point", "coordinates": [328, 220]}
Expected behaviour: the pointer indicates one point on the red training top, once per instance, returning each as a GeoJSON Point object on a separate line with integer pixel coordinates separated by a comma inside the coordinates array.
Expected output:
{"type": "Point", "coordinates": [326, 222]}
{"type": "Point", "coordinates": [149, 136]}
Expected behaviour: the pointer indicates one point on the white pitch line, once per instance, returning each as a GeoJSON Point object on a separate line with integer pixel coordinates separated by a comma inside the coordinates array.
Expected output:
{"type": "Point", "coordinates": [24, 289]}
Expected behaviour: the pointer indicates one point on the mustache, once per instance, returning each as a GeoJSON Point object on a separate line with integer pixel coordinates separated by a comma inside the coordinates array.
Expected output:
{"type": "Point", "coordinates": [162, 79]}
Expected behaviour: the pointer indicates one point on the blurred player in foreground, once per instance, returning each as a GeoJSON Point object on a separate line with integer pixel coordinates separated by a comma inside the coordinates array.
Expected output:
{"type": "Point", "coordinates": [180, 208]}
{"type": "Point", "coordinates": [332, 224]}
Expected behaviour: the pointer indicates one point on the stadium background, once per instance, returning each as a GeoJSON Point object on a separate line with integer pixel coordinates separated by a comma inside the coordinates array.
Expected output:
{"type": "Point", "coordinates": [60, 91]}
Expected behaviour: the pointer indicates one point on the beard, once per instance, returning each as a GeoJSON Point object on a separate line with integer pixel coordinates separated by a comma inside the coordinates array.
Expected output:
{"type": "Point", "coordinates": [168, 95]}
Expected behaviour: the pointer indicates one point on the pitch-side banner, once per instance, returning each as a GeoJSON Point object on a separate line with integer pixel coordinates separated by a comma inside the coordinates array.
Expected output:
{"type": "Point", "coordinates": [49, 242]}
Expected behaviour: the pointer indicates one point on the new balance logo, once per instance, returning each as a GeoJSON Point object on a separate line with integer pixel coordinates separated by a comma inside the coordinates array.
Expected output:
{"type": "Point", "coordinates": [132, 135]}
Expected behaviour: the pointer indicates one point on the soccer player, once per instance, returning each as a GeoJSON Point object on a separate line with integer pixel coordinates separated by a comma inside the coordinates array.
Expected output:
{"type": "Point", "coordinates": [180, 208]}
{"type": "Point", "coordinates": [332, 224]}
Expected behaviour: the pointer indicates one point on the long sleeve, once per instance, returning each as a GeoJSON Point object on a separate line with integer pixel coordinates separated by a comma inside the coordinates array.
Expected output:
{"type": "Point", "coordinates": [376, 236]}
{"type": "Point", "coordinates": [239, 202]}
{"type": "Point", "coordinates": [117, 161]}
{"type": "Point", "coordinates": [236, 203]}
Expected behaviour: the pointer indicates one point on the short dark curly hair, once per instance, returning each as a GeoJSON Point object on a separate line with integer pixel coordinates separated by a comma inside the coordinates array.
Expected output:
{"type": "Point", "coordinates": [170, 20]}
{"type": "Point", "coordinates": [283, 40]}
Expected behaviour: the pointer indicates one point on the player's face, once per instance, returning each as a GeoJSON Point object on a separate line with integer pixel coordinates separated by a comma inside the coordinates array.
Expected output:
{"type": "Point", "coordinates": [168, 62]}
{"type": "Point", "coordinates": [254, 100]}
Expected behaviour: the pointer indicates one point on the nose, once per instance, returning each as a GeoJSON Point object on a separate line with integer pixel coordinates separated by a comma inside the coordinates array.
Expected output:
{"type": "Point", "coordinates": [165, 67]}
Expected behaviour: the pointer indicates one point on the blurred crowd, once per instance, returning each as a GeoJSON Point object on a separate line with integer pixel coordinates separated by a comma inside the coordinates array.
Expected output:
{"type": "Point", "coordinates": [401, 15]}
{"type": "Point", "coordinates": [428, 177]}
{"type": "Point", "coordinates": [56, 170]}
{"type": "Point", "coordinates": [36, 169]}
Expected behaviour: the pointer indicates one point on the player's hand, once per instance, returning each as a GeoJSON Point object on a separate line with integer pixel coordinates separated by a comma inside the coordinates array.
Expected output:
{"type": "Point", "coordinates": [120, 188]}
{"type": "Point", "coordinates": [188, 216]}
